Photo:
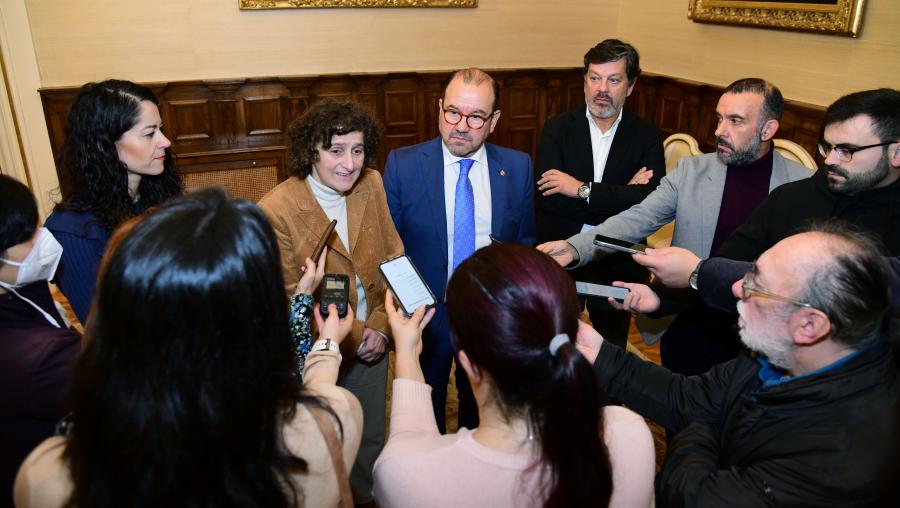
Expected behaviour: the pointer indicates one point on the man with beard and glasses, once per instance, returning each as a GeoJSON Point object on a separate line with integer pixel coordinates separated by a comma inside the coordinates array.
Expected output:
{"type": "Point", "coordinates": [595, 161]}
{"type": "Point", "coordinates": [449, 196]}
{"type": "Point", "coordinates": [859, 184]}
{"type": "Point", "coordinates": [708, 196]}
{"type": "Point", "coordinates": [808, 416]}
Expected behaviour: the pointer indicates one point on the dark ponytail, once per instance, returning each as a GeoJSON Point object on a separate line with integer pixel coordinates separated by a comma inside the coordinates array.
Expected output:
{"type": "Point", "coordinates": [505, 304]}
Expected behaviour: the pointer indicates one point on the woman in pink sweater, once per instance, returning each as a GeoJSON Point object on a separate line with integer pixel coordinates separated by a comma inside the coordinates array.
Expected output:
{"type": "Point", "coordinates": [544, 438]}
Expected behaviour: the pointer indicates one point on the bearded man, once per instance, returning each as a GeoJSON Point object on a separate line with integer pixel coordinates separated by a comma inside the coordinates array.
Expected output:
{"type": "Point", "coordinates": [708, 196]}
{"type": "Point", "coordinates": [595, 161]}
{"type": "Point", "coordinates": [806, 417]}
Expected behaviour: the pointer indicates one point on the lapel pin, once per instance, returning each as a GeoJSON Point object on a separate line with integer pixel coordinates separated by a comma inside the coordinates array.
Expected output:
{"type": "Point", "coordinates": [502, 173]}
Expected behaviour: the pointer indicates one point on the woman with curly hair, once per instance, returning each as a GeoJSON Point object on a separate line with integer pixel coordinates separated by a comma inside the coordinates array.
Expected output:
{"type": "Point", "coordinates": [185, 394]}
{"type": "Point", "coordinates": [114, 164]}
{"type": "Point", "coordinates": [330, 150]}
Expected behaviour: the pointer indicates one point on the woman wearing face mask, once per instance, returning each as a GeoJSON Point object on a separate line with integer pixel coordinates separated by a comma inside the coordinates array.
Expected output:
{"type": "Point", "coordinates": [330, 149]}
{"type": "Point", "coordinates": [37, 349]}
{"type": "Point", "coordinates": [114, 164]}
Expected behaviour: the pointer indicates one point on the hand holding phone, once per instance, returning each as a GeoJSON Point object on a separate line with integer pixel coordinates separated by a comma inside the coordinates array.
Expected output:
{"type": "Point", "coordinates": [407, 284]}
{"type": "Point", "coordinates": [323, 240]}
{"type": "Point", "coordinates": [619, 245]}
{"type": "Point", "coordinates": [601, 290]}
{"type": "Point", "coordinates": [336, 290]}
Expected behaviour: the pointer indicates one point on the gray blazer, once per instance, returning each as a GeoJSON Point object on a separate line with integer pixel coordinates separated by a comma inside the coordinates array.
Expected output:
{"type": "Point", "coordinates": [691, 195]}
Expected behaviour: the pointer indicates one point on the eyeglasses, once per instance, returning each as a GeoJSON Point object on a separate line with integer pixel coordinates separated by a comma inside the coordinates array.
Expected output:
{"type": "Point", "coordinates": [844, 153]}
{"type": "Point", "coordinates": [748, 290]}
{"type": "Point", "coordinates": [473, 121]}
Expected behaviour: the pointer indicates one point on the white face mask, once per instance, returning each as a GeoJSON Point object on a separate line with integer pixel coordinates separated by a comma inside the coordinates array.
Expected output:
{"type": "Point", "coordinates": [41, 262]}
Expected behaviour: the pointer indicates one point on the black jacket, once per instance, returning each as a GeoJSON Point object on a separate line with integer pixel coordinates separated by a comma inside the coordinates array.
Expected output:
{"type": "Point", "coordinates": [828, 439]}
{"type": "Point", "coordinates": [566, 145]}
{"type": "Point", "coordinates": [794, 205]}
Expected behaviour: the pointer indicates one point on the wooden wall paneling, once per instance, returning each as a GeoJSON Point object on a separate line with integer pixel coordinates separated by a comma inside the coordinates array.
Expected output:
{"type": "Point", "coordinates": [186, 111]}
{"type": "Point", "coordinates": [235, 120]}
{"type": "Point", "coordinates": [248, 175]}
{"type": "Point", "coordinates": [190, 119]}
{"type": "Point", "coordinates": [298, 96]}
{"type": "Point", "coordinates": [56, 103]}
{"type": "Point", "coordinates": [520, 120]}
{"type": "Point", "coordinates": [368, 92]}
{"type": "Point", "coordinates": [433, 90]}
{"type": "Point", "coordinates": [707, 122]}
{"type": "Point", "coordinates": [402, 112]}
{"type": "Point", "coordinates": [225, 110]}
{"type": "Point", "coordinates": [335, 87]}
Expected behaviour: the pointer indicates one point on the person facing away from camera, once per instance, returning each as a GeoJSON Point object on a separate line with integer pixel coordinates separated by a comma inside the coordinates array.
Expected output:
{"type": "Point", "coordinates": [544, 438]}
{"type": "Point", "coordinates": [186, 393]}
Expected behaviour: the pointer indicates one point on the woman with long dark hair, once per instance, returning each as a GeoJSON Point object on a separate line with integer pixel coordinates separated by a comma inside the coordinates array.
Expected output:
{"type": "Point", "coordinates": [543, 437]}
{"type": "Point", "coordinates": [114, 164]}
{"type": "Point", "coordinates": [186, 393]}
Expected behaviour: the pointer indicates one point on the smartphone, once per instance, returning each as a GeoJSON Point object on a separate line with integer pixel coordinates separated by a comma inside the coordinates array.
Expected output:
{"type": "Point", "coordinates": [620, 245]}
{"type": "Point", "coordinates": [323, 240]}
{"type": "Point", "coordinates": [407, 284]}
{"type": "Point", "coordinates": [601, 290]}
{"type": "Point", "coordinates": [336, 290]}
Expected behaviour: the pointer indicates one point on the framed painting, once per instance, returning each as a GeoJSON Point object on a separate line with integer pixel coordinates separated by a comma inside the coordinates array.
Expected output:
{"type": "Point", "coordinates": [840, 17]}
{"type": "Point", "coordinates": [321, 4]}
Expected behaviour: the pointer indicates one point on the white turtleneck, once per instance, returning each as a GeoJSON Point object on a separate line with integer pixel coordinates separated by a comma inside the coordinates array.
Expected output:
{"type": "Point", "coordinates": [334, 204]}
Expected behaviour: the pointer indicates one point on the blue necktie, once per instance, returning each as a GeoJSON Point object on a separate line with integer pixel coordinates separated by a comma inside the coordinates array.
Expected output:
{"type": "Point", "coordinates": [463, 215]}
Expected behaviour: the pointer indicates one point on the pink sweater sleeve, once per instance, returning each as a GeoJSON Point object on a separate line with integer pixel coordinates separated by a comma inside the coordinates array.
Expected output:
{"type": "Point", "coordinates": [632, 455]}
{"type": "Point", "coordinates": [413, 430]}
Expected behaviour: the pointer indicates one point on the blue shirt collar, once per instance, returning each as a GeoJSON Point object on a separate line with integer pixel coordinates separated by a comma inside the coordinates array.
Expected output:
{"type": "Point", "coordinates": [771, 375]}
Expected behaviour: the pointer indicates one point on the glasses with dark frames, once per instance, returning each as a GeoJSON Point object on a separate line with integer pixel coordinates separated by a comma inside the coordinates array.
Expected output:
{"type": "Point", "coordinates": [453, 117]}
{"type": "Point", "coordinates": [844, 153]}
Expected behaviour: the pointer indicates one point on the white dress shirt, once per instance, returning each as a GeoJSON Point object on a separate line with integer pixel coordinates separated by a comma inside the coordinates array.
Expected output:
{"type": "Point", "coordinates": [600, 144]}
{"type": "Point", "coordinates": [481, 187]}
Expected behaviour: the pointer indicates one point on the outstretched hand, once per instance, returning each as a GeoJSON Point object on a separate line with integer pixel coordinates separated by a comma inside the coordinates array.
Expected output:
{"type": "Point", "coordinates": [560, 250]}
{"type": "Point", "coordinates": [588, 341]}
{"type": "Point", "coordinates": [640, 298]}
{"type": "Point", "coordinates": [407, 331]}
{"type": "Point", "coordinates": [334, 328]}
{"type": "Point", "coordinates": [407, 338]}
{"type": "Point", "coordinates": [671, 265]}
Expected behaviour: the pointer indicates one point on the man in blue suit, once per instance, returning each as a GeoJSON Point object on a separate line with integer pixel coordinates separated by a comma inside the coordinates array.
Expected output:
{"type": "Point", "coordinates": [451, 195]}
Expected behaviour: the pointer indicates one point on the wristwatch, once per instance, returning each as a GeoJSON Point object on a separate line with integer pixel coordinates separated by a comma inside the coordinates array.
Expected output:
{"type": "Point", "coordinates": [326, 345]}
{"type": "Point", "coordinates": [692, 280]}
{"type": "Point", "coordinates": [584, 192]}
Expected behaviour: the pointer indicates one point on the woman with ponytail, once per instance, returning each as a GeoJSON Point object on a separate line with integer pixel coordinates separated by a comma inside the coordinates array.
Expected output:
{"type": "Point", "coordinates": [544, 438]}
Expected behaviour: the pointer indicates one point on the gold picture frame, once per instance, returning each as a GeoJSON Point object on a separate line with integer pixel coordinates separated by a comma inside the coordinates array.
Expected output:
{"type": "Point", "coordinates": [322, 4]}
{"type": "Point", "coordinates": [839, 17]}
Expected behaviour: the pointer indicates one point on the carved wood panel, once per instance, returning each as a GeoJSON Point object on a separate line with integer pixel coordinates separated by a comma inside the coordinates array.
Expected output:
{"type": "Point", "coordinates": [220, 120]}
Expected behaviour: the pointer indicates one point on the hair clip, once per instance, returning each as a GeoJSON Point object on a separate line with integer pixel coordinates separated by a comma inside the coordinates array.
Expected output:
{"type": "Point", "coordinates": [557, 341]}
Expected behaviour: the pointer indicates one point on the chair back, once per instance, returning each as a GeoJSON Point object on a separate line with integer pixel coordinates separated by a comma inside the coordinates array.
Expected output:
{"type": "Point", "coordinates": [675, 147]}
{"type": "Point", "coordinates": [679, 145]}
{"type": "Point", "coordinates": [794, 152]}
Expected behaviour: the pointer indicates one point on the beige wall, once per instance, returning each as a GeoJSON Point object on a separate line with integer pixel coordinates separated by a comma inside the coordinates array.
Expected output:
{"type": "Point", "coordinates": [807, 67]}
{"type": "Point", "coordinates": [183, 39]}
{"type": "Point", "coordinates": [71, 42]}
